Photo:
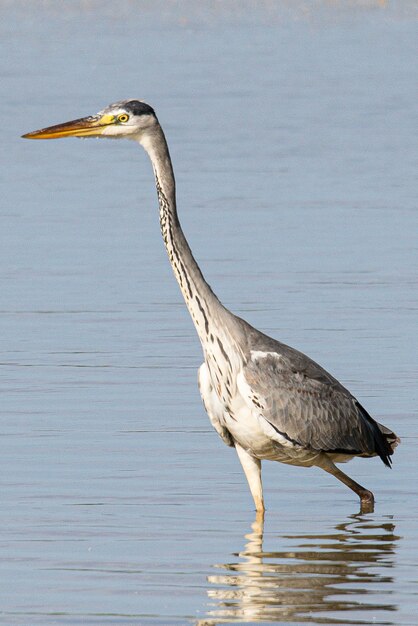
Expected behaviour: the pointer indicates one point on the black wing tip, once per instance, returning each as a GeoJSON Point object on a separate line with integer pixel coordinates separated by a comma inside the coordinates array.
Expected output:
{"type": "Point", "coordinates": [384, 442]}
{"type": "Point", "coordinates": [386, 460]}
{"type": "Point", "coordinates": [391, 441]}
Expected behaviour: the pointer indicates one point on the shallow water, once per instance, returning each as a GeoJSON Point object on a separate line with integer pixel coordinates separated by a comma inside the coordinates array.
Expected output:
{"type": "Point", "coordinates": [291, 127]}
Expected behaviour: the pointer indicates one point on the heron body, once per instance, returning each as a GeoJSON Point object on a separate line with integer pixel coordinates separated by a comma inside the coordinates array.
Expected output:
{"type": "Point", "coordinates": [266, 399]}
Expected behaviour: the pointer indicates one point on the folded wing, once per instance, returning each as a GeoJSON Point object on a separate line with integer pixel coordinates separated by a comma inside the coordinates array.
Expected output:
{"type": "Point", "coordinates": [307, 407]}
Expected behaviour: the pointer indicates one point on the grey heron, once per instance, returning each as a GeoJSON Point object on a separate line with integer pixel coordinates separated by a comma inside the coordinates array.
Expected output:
{"type": "Point", "coordinates": [264, 398]}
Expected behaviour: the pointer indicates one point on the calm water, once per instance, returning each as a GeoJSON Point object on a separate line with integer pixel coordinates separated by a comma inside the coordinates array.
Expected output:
{"type": "Point", "coordinates": [292, 127]}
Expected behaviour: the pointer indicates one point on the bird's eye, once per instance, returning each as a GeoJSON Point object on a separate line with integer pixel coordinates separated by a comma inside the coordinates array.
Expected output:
{"type": "Point", "coordinates": [123, 117]}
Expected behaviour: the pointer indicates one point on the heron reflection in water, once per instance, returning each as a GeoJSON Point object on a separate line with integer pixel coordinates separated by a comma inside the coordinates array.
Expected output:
{"type": "Point", "coordinates": [318, 578]}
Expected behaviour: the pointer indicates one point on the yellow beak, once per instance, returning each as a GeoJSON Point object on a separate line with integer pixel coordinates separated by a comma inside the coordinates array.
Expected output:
{"type": "Point", "coordinates": [83, 127]}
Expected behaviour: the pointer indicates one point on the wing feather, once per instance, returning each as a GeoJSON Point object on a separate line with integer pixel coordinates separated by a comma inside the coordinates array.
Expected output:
{"type": "Point", "coordinates": [308, 406]}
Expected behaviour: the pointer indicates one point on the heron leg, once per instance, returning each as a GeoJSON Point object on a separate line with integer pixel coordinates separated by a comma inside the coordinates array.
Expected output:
{"type": "Point", "coordinates": [252, 471]}
{"type": "Point", "coordinates": [366, 496]}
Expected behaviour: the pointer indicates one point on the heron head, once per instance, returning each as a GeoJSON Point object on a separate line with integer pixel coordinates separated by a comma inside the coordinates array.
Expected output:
{"type": "Point", "coordinates": [129, 119]}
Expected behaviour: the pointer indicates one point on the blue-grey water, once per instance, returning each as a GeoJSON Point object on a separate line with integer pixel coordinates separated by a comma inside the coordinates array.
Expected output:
{"type": "Point", "coordinates": [292, 127]}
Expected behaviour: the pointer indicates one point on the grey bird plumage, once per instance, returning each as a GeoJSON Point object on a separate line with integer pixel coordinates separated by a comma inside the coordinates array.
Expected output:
{"type": "Point", "coordinates": [308, 406]}
{"type": "Point", "coordinates": [264, 398]}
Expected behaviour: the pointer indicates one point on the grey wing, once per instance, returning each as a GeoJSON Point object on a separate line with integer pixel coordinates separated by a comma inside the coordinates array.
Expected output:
{"type": "Point", "coordinates": [308, 407]}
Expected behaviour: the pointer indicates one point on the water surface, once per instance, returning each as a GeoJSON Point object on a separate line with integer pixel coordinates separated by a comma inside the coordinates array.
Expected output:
{"type": "Point", "coordinates": [292, 130]}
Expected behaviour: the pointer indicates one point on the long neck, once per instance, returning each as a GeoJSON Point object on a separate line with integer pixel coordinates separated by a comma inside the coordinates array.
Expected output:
{"type": "Point", "coordinates": [202, 303]}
